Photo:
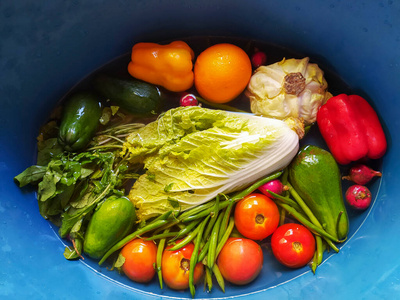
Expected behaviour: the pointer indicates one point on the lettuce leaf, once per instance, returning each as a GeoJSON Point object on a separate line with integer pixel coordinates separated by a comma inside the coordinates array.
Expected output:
{"type": "Point", "coordinates": [192, 154]}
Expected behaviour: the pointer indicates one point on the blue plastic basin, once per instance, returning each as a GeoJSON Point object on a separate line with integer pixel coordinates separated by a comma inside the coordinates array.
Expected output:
{"type": "Point", "coordinates": [48, 46]}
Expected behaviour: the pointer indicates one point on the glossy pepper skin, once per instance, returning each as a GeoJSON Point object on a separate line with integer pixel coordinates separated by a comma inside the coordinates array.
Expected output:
{"type": "Point", "coordinates": [169, 66]}
{"type": "Point", "coordinates": [351, 129]}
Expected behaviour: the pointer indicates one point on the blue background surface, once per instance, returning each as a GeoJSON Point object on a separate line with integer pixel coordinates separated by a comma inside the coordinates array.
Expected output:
{"type": "Point", "coordinates": [48, 46]}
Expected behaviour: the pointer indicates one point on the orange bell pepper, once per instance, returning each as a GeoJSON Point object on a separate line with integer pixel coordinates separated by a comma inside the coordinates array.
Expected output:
{"type": "Point", "coordinates": [169, 66]}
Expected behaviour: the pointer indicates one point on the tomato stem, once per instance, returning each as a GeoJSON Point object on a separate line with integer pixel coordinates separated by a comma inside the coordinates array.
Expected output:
{"type": "Point", "coordinates": [259, 219]}
{"type": "Point", "coordinates": [185, 264]}
{"type": "Point", "coordinates": [297, 246]}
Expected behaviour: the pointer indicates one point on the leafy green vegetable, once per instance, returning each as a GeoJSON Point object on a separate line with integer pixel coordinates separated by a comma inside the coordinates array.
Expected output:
{"type": "Point", "coordinates": [72, 185]}
{"type": "Point", "coordinates": [77, 237]}
{"type": "Point", "coordinates": [30, 175]}
{"type": "Point", "coordinates": [204, 152]}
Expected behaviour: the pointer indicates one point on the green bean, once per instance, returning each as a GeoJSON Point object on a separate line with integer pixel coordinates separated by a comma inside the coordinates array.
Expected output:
{"type": "Point", "coordinates": [284, 178]}
{"type": "Point", "coordinates": [288, 201]}
{"type": "Point", "coordinates": [314, 263]}
{"type": "Point", "coordinates": [219, 277]}
{"type": "Point", "coordinates": [320, 249]}
{"type": "Point", "coordinates": [303, 205]}
{"type": "Point", "coordinates": [208, 280]}
{"type": "Point", "coordinates": [214, 216]}
{"type": "Point", "coordinates": [307, 223]}
{"type": "Point", "coordinates": [160, 250]}
{"type": "Point", "coordinates": [317, 259]}
{"type": "Point", "coordinates": [329, 239]}
{"type": "Point", "coordinates": [238, 196]}
{"type": "Point", "coordinates": [225, 220]}
{"type": "Point", "coordinates": [236, 233]}
{"type": "Point", "coordinates": [194, 257]}
{"type": "Point", "coordinates": [164, 216]}
{"type": "Point", "coordinates": [196, 209]}
{"type": "Point", "coordinates": [204, 251]}
{"type": "Point", "coordinates": [185, 241]}
{"type": "Point", "coordinates": [165, 234]}
{"type": "Point", "coordinates": [186, 230]}
{"type": "Point", "coordinates": [225, 236]}
{"type": "Point", "coordinates": [338, 224]}
{"type": "Point", "coordinates": [331, 244]}
{"type": "Point", "coordinates": [170, 224]}
{"type": "Point", "coordinates": [213, 243]}
{"type": "Point", "coordinates": [151, 226]}
{"type": "Point", "coordinates": [282, 216]}
{"type": "Point", "coordinates": [254, 186]}
{"type": "Point", "coordinates": [200, 215]}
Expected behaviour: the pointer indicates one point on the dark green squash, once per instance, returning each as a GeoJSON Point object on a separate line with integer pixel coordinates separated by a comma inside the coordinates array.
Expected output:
{"type": "Point", "coordinates": [135, 96]}
{"type": "Point", "coordinates": [315, 175]}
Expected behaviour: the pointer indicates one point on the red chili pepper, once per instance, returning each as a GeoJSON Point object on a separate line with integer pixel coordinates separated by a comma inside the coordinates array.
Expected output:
{"type": "Point", "coordinates": [351, 129]}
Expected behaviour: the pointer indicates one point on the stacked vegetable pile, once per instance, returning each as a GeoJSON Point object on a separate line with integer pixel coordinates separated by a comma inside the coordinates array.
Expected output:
{"type": "Point", "coordinates": [190, 192]}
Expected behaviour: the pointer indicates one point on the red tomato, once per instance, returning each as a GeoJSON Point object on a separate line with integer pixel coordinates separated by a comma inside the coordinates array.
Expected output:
{"type": "Point", "coordinates": [256, 216]}
{"type": "Point", "coordinates": [175, 267]}
{"type": "Point", "coordinates": [293, 245]}
{"type": "Point", "coordinates": [240, 260]}
{"type": "Point", "coordinates": [140, 257]}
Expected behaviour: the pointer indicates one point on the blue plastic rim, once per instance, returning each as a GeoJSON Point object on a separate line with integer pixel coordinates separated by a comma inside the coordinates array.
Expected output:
{"type": "Point", "coordinates": [48, 46]}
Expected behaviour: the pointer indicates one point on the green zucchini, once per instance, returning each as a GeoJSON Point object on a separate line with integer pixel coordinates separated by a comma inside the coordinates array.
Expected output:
{"type": "Point", "coordinates": [135, 96]}
{"type": "Point", "coordinates": [315, 176]}
{"type": "Point", "coordinates": [80, 120]}
{"type": "Point", "coordinates": [111, 222]}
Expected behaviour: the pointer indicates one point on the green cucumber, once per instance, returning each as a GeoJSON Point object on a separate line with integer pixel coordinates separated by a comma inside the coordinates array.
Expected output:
{"type": "Point", "coordinates": [315, 176]}
{"type": "Point", "coordinates": [80, 120]}
{"type": "Point", "coordinates": [110, 223]}
{"type": "Point", "coordinates": [134, 96]}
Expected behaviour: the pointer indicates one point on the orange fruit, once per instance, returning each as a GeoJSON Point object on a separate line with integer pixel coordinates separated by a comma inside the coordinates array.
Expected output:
{"type": "Point", "coordinates": [222, 72]}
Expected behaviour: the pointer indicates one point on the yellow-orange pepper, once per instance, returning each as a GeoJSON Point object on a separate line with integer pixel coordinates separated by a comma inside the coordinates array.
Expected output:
{"type": "Point", "coordinates": [169, 66]}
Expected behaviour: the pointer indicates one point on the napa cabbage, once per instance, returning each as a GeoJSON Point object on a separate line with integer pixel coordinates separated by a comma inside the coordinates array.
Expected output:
{"type": "Point", "coordinates": [191, 154]}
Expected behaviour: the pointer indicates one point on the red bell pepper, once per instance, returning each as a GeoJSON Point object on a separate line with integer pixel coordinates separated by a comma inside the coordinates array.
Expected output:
{"type": "Point", "coordinates": [351, 129]}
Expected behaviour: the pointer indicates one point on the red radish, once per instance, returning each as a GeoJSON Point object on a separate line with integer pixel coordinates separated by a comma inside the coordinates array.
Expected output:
{"type": "Point", "coordinates": [361, 174]}
{"type": "Point", "coordinates": [259, 58]}
{"type": "Point", "coordinates": [188, 100]}
{"type": "Point", "coordinates": [275, 186]}
{"type": "Point", "coordinates": [358, 197]}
